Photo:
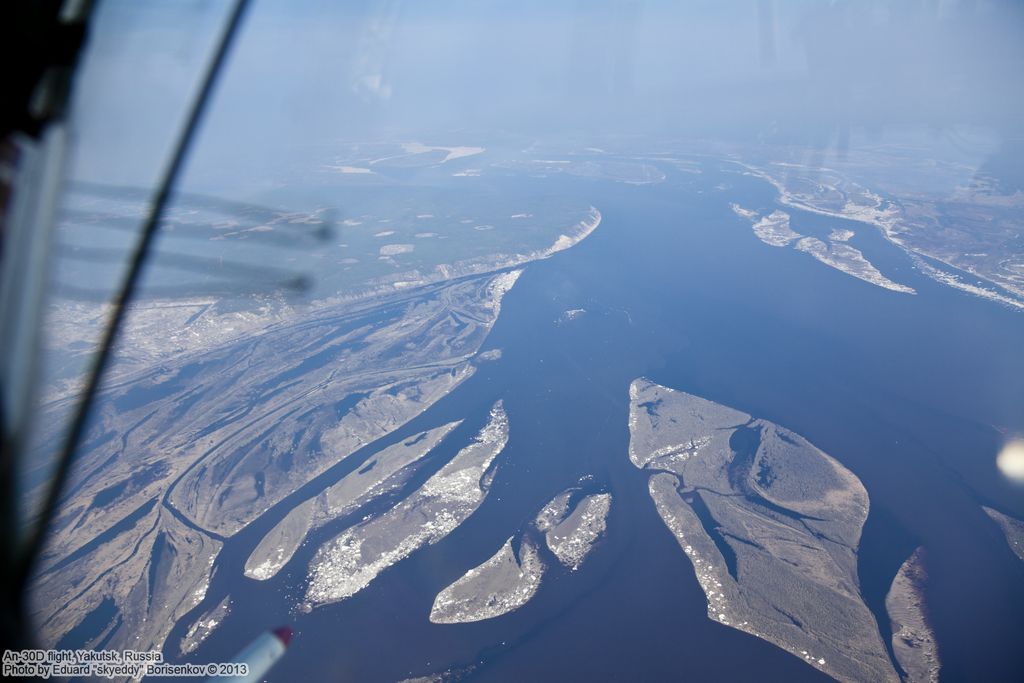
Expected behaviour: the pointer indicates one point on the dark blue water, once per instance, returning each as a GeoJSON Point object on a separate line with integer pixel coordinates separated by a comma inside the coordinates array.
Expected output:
{"type": "Point", "coordinates": [909, 392]}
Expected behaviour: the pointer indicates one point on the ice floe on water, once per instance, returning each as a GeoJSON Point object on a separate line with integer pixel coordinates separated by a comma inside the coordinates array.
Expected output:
{"type": "Point", "coordinates": [570, 315]}
{"type": "Point", "coordinates": [396, 249]}
{"type": "Point", "coordinates": [349, 562]}
{"type": "Point", "coordinates": [351, 170]}
{"type": "Point", "coordinates": [500, 585]}
{"type": "Point", "coordinates": [743, 213]}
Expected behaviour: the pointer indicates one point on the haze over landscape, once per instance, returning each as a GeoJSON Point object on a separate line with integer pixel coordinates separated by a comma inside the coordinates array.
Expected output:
{"type": "Point", "coordinates": [614, 340]}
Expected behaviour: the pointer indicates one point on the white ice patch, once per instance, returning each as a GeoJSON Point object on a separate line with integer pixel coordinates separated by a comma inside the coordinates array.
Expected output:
{"type": "Point", "coordinates": [396, 249]}
{"type": "Point", "coordinates": [349, 562]}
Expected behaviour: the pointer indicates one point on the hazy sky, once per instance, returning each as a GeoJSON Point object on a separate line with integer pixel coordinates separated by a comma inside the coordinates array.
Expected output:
{"type": "Point", "coordinates": [304, 72]}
